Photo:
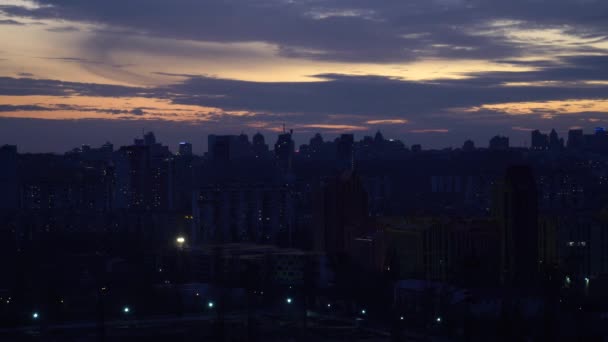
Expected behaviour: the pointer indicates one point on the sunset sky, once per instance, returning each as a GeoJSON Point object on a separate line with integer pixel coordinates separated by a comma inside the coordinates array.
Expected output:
{"type": "Point", "coordinates": [435, 72]}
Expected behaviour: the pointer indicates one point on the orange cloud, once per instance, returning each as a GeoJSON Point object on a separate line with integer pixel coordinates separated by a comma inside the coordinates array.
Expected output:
{"type": "Point", "coordinates": [548, 108]}
{"type": "Point", "coordinates": [334, 127]}
{"type": "Point", "coordinates": [91, 107]}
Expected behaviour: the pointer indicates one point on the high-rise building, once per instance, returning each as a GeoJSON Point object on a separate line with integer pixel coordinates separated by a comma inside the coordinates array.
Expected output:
{"type": "Point", "coordinates": [229, 147]}
{"type": "Point", "coordinates": [185, 149]}
{"type": "Point", "coordinates": [8, 177]}
{"type": "Point", "coordinates": [260, 148]}
{"type": "Point", "coordinates": [284, 150]}
{"type": "Point", "coordinates": [516, 206]}
{"type": "Point", "coordinates": [576, 141]}
{"type": "Point", "coordinates": [237, 212]}
{"type": "Point", "coordinates": [149, 139]}
{"type": "Point", "coordinates": [133, 177]}
{"type": "Point", "coordinates": [499, 143]}
{"type": "Point", "coordinates": [540, 141]}
{"type": "Point", "coordinates": [219, 147]}
{"type": "Point", "coordinates": [468, 146]}
{"type": "Point", "coordinates": [340, 213]}
{"type": "Point", "coordinates": [555, 143]}
{"type": "Point", "coordinates": [345, 153]}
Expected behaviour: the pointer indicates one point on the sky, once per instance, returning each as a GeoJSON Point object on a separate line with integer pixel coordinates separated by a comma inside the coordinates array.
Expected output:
{"type": "Point", "coordinates": [434, 72]}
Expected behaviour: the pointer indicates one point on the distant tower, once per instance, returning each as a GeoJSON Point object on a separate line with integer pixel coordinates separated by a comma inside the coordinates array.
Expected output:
{"type": "Point", "coordinates": [8, 177]}
{"type": "Point", "coordinates": [258, 139]}
{"type": "Point", "coordinates": [316, 141]}
{"type": "Point", "coordinates": [468, 146]}
{"type": "Point", "coordinates": [345, 156]}
{"type": "Point", "coordinates": [284, 150]}
{"type": "Point", "coordinates": [576, 139]}
{"type": "Point", "coordinates": [185, 149]}
{"type": "Point", "coordinates": [260, 149]}
{"type": "Point", "coordinates": [149, 139]}
{"type": "Point", "coordinates": [499, 143]}
{"type": "Point", "coordinates": [219, 147]}
{"type": "Point", "coordinates": [555, 143]}
{"type": "Point", "coordinates": [540, 141]}
{"type": "Point", "coordinates": [378, 138]}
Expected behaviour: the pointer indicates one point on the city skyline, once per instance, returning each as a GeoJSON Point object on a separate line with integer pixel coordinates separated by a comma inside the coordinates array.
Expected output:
{"type": "Point", "coordinates": [304, 170]}
{"type": "Point", "coordinates": [441, 71]}
{"type": "Point", "coordinates": [546, 142]}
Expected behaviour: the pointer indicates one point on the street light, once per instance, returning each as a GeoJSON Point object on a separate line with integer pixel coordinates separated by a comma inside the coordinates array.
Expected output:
{"type": "Point", "coordinates": [363, 312]}
{"type": "Point", "coordinates": [35, 315]}
{"type": "Point", "coordinates": [438, 319]}
{"type": "Point", "coordinates": [126, 310]}
{"type": "Point", "coordinates": [289, 300]}
{"type": "Point", "coordinates": [180, 240]}
{"type": "Point", "coordinates": [210, 305]}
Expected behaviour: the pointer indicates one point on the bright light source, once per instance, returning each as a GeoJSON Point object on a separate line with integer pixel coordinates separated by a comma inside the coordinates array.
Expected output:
{"type": "Point", "coordinates": [126, 309]}
{"type": "Point", "coordinates": [181, 240]}
{"type": "Point", "coordinates": [363, 312]}
{"type": "Point", "coordinates": [329, 305]}
{"type": "Point", "coordinates": [438, 319]}
{"type": "Point", "coordinates": [35, 315]}
{"type": "Point", "coordinates": [210, 305]}
{"type": "Point", "coordinates": [289, 300]}
{"type": "Point", "coordinates": [586, 281]}
{"type": "Point", "coordinates": [401, 318]}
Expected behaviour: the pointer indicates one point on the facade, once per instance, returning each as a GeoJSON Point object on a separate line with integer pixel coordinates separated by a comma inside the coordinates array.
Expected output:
{"type": "Point", "coordinates": [185, 149]}
{"type": "Point", "coordinates": [517, 212]}
{"type": "Point", "coordinates": [233, 212]}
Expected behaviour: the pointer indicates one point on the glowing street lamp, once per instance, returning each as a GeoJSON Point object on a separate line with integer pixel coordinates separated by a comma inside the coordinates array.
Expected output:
{"type": "Point", "coordinates": [438, 319]}
{"type": "Point", "coordinates": [126, 309]}
{"type": "Point", "coordinates": [180, 240]}
{"type": "Point", "coordinates": [363, 312]}
{"type": "Point", "coordinates": [35, 315]}
{"type": "Point", "coordinates": [210, 305]}
{"type": "Point", "coordinates": [289, 300]}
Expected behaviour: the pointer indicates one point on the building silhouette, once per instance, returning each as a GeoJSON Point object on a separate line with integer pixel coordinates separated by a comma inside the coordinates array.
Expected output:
{"type": "Point", "coordinates": [517, 214]}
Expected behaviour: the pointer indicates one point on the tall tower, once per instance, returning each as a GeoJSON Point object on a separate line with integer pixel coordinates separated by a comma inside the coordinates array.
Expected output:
{"type": "Point", "coordinates": [284, 150]}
